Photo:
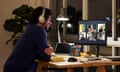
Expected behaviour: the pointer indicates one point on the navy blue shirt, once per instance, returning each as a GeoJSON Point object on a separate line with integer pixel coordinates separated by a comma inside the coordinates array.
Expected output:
{"type": "Point", "coordinates": [30, 46]}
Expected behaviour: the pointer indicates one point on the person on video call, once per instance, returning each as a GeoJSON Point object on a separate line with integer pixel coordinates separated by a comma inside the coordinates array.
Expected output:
{"type": "Point", "coordinates": [90, 28]}
{"type": "Point", "coordinates": [33, 43]}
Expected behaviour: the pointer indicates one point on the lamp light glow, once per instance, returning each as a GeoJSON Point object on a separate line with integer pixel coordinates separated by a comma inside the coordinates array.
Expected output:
{"type": "Point", "coordinates": [62, 19]}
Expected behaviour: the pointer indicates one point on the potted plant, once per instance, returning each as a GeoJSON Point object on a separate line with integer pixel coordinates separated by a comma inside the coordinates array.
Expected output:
{"type": "Point", "coordinates": [17, 24]}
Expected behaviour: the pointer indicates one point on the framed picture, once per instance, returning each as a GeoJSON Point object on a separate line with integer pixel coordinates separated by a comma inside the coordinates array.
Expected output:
{"type": "Point", "coordinates": [75, 51]}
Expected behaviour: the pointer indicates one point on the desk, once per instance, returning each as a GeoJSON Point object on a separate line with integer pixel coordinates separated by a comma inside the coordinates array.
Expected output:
{"type": "Point", "coordinates": [100, 64]}
{"type": "Point", "coordinates": [70, 65]}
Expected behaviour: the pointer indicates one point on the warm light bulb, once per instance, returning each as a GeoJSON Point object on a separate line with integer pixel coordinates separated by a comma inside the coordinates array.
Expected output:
{"type": "Point", "coordinates": [69, 25]}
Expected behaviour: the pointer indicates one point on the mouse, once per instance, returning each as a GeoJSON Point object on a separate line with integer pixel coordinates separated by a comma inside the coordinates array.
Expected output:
{"type": "Point", "coordinates": [72, 59]}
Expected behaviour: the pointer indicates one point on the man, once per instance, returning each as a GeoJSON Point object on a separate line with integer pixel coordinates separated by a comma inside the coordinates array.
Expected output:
{"type": "Point", "coordinates": [33, 43]}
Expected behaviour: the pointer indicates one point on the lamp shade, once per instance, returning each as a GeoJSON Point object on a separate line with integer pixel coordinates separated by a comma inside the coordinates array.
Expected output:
{"type": "Point", "coordinates": [62, 16]}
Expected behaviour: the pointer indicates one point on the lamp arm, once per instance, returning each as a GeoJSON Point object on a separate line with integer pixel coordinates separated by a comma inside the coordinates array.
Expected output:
{"type": "Point", "coordinates": [59, 37]}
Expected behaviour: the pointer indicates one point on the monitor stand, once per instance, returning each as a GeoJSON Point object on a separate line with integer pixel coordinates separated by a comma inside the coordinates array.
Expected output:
{"type": "Point", "coordinates": [97, 51]}
{"type": "Point", "coordinates": [97, 55]}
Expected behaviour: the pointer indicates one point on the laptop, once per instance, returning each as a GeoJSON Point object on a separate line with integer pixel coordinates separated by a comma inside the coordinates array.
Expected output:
{"type": "Point", "coordinates": [62, 49]}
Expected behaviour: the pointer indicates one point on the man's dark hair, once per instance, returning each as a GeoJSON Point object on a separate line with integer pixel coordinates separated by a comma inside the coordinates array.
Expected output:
{"type": "Point", "coordinates": [37, 12]}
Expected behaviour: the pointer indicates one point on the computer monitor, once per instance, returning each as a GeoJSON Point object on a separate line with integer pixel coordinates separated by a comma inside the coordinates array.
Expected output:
{"type": "Point", "coordinates": [92, 32]}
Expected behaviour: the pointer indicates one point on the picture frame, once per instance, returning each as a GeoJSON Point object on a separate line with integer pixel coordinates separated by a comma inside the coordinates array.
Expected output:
{"type": "Point", "coordinates": [75, 51]}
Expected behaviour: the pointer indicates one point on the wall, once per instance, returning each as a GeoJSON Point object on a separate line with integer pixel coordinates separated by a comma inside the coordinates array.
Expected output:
{"type": "Point", "coordinates": [99, 9]}
{"type": "Point", "coordinates": [76, 4]}
{"type": "Point", "coordinates": [6, 7]}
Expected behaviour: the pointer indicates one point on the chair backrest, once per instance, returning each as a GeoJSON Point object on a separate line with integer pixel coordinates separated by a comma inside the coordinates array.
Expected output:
{"type": "Point", "coordinates": [62, 48]}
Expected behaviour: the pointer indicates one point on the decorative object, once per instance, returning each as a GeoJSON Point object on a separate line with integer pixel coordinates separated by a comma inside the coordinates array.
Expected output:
{"type": "Point", "coordinates": [17, 24]}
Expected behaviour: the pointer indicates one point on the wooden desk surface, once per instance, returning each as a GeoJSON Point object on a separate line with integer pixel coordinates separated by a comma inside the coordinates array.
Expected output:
{"type": "Point", "coordinates": [82, 64]}
{"type": "Point", "coordinates": [100, 64]}
{"type": "Point", "coordinates": [71, 65]}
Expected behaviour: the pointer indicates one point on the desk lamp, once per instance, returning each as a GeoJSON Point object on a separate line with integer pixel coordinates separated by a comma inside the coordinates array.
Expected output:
{"type": "Point", "coordinates": [62, 18]}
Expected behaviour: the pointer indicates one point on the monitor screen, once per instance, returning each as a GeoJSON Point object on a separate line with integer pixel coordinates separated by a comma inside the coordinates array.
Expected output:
{"type": "Point", "coordinates": [92, 32]}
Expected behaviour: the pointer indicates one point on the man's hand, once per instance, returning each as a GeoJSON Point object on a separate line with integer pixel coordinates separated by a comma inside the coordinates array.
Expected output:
{"type": "Point", "coordinates": [49, 50]}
